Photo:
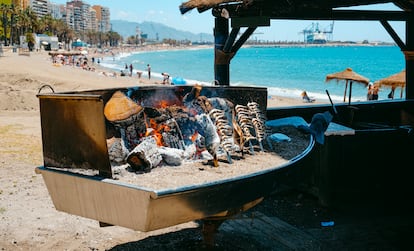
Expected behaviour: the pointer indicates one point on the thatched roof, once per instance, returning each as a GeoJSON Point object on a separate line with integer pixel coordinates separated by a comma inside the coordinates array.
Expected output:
{"type": "Point", "coordinates": [202, 4]}
{"type": "Point", "coordinates": [298, 9]}
{"type": "Point", "coordinates": [395, 80]}
{"type": "Point", "coordinates": [347, 74]}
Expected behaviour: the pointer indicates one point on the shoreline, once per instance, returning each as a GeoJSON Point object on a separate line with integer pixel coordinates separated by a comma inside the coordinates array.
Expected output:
{"type": "Point", "coordinates": [38, 69]}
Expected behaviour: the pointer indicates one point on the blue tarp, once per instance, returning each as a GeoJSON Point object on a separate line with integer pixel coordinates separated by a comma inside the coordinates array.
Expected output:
{"type": "Point", "coordinates": [178, 81]}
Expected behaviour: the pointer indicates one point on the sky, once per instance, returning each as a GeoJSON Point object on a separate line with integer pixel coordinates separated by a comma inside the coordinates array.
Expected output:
{"type": "Point", "coordinates": [167, 12]}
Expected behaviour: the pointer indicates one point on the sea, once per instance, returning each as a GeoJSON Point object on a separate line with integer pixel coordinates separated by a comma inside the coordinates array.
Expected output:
{"type": "Point", "coordinates": [284, 71]}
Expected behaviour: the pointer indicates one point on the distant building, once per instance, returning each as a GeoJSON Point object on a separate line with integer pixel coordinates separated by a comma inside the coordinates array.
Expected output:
{"type": "Point", "coordinates": [81, 17]}
{"type": "Point", "coordinates": [57, 11]}
{"type": "Point", "coordinates": [46, 42]}
{"type": "Point", "coordinates": [40, 7]}
{"type": "Point", "coordinates": [103, 17]}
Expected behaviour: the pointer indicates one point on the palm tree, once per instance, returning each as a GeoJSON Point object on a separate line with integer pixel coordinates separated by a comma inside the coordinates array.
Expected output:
{"type": "Point", "coordinates": [113, 38]}
{"type": "Point", "coordinates": [5, 10]}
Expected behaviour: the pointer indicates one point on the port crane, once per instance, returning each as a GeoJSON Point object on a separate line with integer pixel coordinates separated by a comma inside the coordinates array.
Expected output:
{"type": "Point", "coordinates": [315, 35]}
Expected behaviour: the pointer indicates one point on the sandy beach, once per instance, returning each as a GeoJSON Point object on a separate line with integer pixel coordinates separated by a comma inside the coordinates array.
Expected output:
{"type": "Point", "coordinates": [29, 220]}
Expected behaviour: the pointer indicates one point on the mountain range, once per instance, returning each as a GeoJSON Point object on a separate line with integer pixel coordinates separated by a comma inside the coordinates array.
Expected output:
{"type": "Point", "coordinates": [157, 31]}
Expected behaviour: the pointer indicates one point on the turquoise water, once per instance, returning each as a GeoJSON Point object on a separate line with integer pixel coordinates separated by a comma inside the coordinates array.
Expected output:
{"type": "Point", "coordinates": [286, 71]}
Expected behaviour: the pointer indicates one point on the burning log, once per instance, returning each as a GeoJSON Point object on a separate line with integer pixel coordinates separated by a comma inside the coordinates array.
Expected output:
{"type": "Point", "coordinates": [127, 116]}
{"type": "Point", "coordinates": [145, 155]}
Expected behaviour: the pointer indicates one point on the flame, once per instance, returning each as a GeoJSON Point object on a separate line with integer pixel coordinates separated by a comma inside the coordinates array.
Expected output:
{"type": "Point", "coordinates": [194, 137]}
{"type": "Point", "coordinates": [163, 104]}
{"type": "Point", "coordinates": [157, 130]}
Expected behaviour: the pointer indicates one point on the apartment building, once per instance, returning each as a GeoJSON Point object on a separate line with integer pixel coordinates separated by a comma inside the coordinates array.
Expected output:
{"type": "Point", "coordinates": [103, 18]}
{"type": "Point", "coordinates": [40, 7]}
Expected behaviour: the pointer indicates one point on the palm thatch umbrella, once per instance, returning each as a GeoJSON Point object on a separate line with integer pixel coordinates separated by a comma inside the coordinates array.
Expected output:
{"type": "Point", "coordinates": [202, 5]}
{"type": "Point", "coordinates": [349, 76]}
{"type": "Point", "coordinates": [394, 81]}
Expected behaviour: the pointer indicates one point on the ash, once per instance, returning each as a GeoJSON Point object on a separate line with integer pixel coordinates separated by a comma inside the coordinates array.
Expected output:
{"type": "Point", "coordinates": [200, 172]}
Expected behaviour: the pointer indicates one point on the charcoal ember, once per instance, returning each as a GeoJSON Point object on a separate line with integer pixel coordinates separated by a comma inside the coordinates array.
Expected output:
{"type": "Point", "coordinates": [188, 126]}
{"type": "Point", "coordinates": [172, 141]}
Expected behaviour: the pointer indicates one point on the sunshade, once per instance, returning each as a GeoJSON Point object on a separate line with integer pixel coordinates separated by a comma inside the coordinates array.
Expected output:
{"type": "Point", "coordinates": [349, 76]}
{"type": "Point", "coordinates": [394, 81]}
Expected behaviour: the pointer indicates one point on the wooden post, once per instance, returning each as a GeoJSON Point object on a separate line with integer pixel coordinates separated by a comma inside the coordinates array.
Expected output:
{"type": "Point", "coordinates": [221, 66]}
{"type": "Point", "coordinates": [409, 58]}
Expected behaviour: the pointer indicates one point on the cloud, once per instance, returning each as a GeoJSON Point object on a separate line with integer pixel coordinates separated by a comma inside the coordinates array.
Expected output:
{"type": "Point", "coordinates": [124, 15]}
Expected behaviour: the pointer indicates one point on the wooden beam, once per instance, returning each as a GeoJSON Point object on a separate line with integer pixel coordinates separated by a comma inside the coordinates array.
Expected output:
{"type": "Point", "coordinates": [221, 61]}
{"type": "Point", "coordinates": [393, 34]}
{"type": "Point", "coordinates": [313, 14]}
{"type": "Point", "coordinates": [409, 59]}
{"type": "Point", "coordinates": [243, 38]}
{"type": "Point", "coordinates": [230, 40]}
{"type": "Point", "coordinates": [250, 21]}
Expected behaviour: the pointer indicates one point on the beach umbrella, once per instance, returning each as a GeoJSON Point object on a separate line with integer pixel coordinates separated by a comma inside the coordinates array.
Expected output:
{"type": "Point", "coordinates": [349, 76]}
{"type": "Point", "coordinates": [394, 81]}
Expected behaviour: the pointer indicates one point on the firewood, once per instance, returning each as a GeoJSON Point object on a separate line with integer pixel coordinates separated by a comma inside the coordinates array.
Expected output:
{"type": "Point", "coordinates": [145, 155]}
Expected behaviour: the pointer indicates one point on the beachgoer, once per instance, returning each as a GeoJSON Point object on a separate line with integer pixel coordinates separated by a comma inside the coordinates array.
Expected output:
{"type": "Point", "coordinates": [126, 66]}
{"type": "Point", "coordinates": [139, 73]}
{"type": "Point", "coordinates": [375, 90]}
{"type": "Point", "coordinates": [391, 94]}
{"type": "Point", "coordinates": [166, 78]}
{"type": "Point", "coordinates": [131, 68]}
{"type": "Point", "coordinates": [149, 71]}
{"type": "Point", "coordinates": [306, 98]}
{"type": "Point", "coordinates": [370, 92]}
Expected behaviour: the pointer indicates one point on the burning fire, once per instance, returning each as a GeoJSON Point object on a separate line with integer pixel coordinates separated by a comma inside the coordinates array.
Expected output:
{"type": "Point", "coordinates": [197, 124]}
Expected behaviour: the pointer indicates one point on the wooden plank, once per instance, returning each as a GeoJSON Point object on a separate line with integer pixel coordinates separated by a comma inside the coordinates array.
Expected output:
{"type": "Point", "coordinates": [273, 230]}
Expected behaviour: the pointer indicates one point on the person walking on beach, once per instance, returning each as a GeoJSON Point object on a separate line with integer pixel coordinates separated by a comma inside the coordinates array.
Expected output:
{"type": "Point", "coordinates": [391, 94]}
{"type": "Point", "coordinates": [375, 90]}
{"type": "Point", "coordinates": [149, 71]}
{"type": "Point", "coordinates": [369, 93]}
{"type": "Point", "coordinates": [131, 68]}
{"type": "Point", "coordinates": [166, 78]}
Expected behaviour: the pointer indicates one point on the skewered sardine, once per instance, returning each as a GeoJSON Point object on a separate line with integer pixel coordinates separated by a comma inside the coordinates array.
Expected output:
{"type": "Point", "coordinates": [211, 137]}
{"type": "Point", "coordinates": [244, 119]}
{"type": "Point", "coordinates": [258, 121]}
{"type": "Point", "coordinates": [225, 131]}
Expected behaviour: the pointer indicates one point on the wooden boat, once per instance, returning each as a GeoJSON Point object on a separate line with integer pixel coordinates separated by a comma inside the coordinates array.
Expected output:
{"type": "Point", "coordinates": [74, 133]}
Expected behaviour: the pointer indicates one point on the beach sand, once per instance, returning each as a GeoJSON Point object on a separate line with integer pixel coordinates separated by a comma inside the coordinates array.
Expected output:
{"type": "Point", "coordinates": [29, 220]}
